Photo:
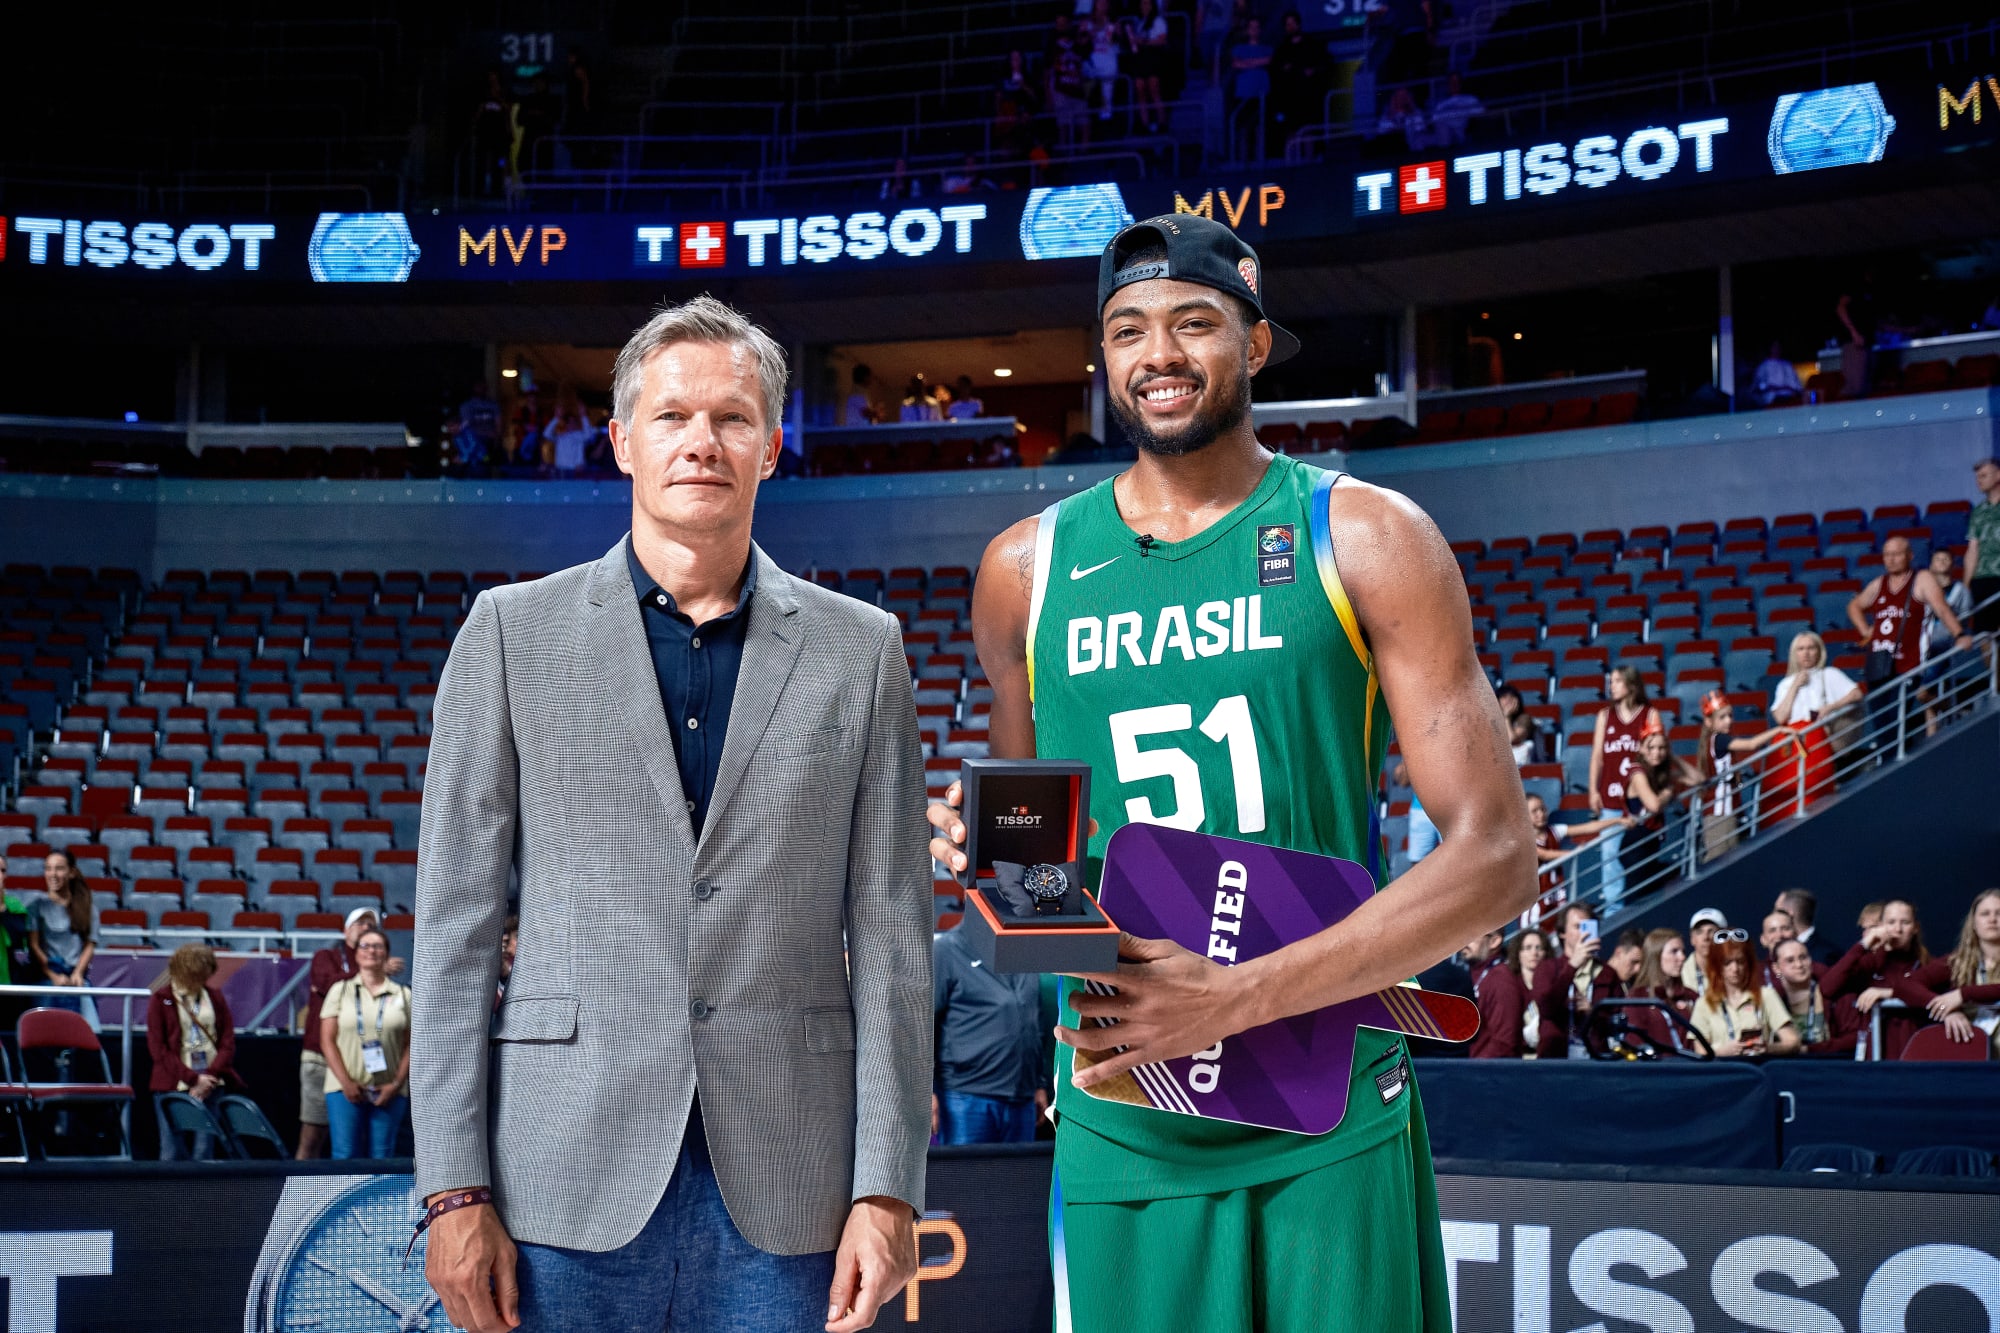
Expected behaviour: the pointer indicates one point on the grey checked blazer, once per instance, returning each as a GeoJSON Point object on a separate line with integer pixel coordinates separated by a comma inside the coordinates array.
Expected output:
{"type": "Point", "coordinates": [651, 962]}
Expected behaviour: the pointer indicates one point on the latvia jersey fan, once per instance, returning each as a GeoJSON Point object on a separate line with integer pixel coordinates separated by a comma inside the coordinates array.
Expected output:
{"type": "Point", "coordinates": [1219, 684]}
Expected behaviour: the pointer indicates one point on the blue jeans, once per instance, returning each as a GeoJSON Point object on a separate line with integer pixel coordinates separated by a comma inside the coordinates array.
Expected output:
{"type": "Point", "coordinates": [687, 1271]}
{"type": "Point", "coordinates": [966, 1117]}
{"type": "Point", "coordinates": [366, 1130]}
{"type": "Point", "coordinates": [1610, 868]}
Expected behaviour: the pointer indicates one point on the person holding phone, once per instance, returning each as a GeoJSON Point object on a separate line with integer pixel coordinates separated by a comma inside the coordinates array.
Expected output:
{"type": "Point", "coordinates": [1738, 1014]}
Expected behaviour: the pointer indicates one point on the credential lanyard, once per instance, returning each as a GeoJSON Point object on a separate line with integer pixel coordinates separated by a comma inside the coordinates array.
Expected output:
{"type": "Point", "coordinates": [381, 1006]}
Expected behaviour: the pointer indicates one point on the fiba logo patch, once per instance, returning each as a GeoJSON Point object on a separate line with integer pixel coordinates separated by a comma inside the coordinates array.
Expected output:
{"type": "Point", "coordinates": [1248, 268]}
{"type": "Point", "coordinates": [1276, 555]}
{"type": "Point", "coordinates": [1017, 816]}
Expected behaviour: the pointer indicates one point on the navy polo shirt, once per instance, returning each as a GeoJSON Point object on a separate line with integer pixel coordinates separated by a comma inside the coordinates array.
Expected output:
{"type": "Point", "coordinates": [696, 666]}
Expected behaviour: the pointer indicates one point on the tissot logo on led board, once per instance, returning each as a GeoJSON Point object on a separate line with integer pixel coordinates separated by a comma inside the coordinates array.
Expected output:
{"type": "Point", "coordinates": [1499, 177]}
{"type": "Point", "coordinates": [819, 238]}
{"type": "Point", "coordinates": [199, 246]}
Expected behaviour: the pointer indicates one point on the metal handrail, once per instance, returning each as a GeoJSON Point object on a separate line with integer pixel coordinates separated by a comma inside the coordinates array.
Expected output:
{"type": "Point", "coordinates": [292, 940]}
{"type": "Point", "coordinates": [1960, 679]}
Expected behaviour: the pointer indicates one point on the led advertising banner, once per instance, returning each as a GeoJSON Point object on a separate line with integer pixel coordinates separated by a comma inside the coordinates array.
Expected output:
{"type": "Point", "coordinates": [220, 1249]}
{"type": "Point", "coordinates": [1851, 128]}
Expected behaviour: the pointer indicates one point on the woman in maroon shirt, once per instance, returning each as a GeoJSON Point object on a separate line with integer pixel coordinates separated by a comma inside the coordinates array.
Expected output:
{"type": "Point", "coordinates": [1889, 953]}
{"type": "Point", "coordinates": [1963, 991]}
{"type": "Point", "coordinates": [1660, 979]}
{"type": "Point", "coordinates": [1525, 953]}
{"type": "Point", "coordinates": [192, 1039]}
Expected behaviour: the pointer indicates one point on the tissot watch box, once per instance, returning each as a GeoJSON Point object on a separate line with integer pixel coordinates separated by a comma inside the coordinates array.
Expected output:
{"type": "Point", "coordinates": [1027, 908]}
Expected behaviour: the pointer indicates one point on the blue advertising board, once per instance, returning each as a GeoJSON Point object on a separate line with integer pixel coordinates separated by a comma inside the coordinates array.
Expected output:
{"type": "Point", "coordinates": [1850, 129]}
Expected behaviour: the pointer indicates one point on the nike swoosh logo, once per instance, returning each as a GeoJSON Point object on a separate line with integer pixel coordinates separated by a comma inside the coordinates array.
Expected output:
{"type": "Point", "coordinates": [1075, 573]}
{"type": "Point", "coordinates": [977, 961]}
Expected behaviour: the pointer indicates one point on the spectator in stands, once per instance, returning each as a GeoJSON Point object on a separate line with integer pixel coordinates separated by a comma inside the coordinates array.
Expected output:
{"type": "Point", "coordinates": [63, 931]}
{"type": "Point", "coordinates": [566, 435]}
{"type": "Point", "coordinates": [536, 115]}
{"type": "Point", "coordinates": [1614, 981]}
{"type": "Point", "coordinates": [1811, 693]}
{"type": "Point", "coordinates": [1716, 753]}
{"type": "Point", "coordinates": [1015, 105]}
{"type": "Point", "coordinates": [364, 1028]}
{"type": "Point", "coordinates": [1614, 749]}
{"type": "Point", "coordinates": [1857, 314]}
{"type": "Point", "coordinates": [1778, 927]}
{"type": "Point", "coordinates": [1889, 614]}
{"type": "Point", "coordinates": [861, 408]}
{"type": "Point", "coordinates": [1650, 853]}
{"type": "Point", "coordinates": [329, 967]}
{"type": "Point", "coordinates": [1957, 596]}
{"type": "Point", "coordinates": [1104, 38]}
{"type": "Point", "coordinates": [1563, 984]}
{"type": "Point", "coordinates": [1298, 80]}
{"type": "Point", "coordinates": [1662, 959]}
{"type": "Point", "coordinates": [1803, 904]}
{"type": "Point", "coordinates": [1423, 831]}
{"type": "Point", "coordinates": [1552, 843]}
{"type": "Point", "coordinates": [941, 396]}
{"type": "Point", "coordinates": [1068, 88]}
{"type": "Point", "coordinates": [1701, 933]}
{"type": "Point", "coordinates": [1153, 63]}
{"type": "Point", "coordinates": [1824, 1028]}
{"type": "Point", "coordinates": [1867, 918]}
{"type": "Point", "coordinates": [1737, 1013]}
{"type": "Point", "coordinates": [1521, 736]}
{"type": "Point", "coordinates": [1939, 683]}
{"type": "Point", "coordinates": [1250, 85]}
{"type": "Point", "coordinates": [1452, 113]}
{"type": "Point", "coordinates": [478, 431]}
{"type": "Point", "coordinates": [1888, 954]}
{"type": "Point", "coordinates": [919, 403]}
{"type": "Point", "coordinates": [1776, 381]}
{"type": "Point", "coordinates": [1403, 118]}
{"type": "Point", "coordinates": [192, 1039]}
{"type": "Point", "coordinates": [1502, 998]}
{"type": "Point", "coordinates": [968, 179]}
{"type": "Point", "coordinates": [966, 404]}
{"type": "Point", "coordinates": [1213, 22]}
{"type": "Point", "coordinates": [1982, 549]}
{"type": "Point", "coordinates": [579, 106]}
{"type": "Point", "coordinates": [899, 183]}
{"type": "Point", "coordinates": [993, 1047]}
{"type": "Point", "coordinates": [1963, 990]}
{"type": "Point", "coordinates": [1541, 1036]}
{"type": "Point", "coordinates": [493, 131]}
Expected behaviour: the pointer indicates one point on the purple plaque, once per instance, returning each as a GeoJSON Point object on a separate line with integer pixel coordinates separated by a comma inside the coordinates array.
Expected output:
{"type": "Point", "coordinates": [1233, 901]}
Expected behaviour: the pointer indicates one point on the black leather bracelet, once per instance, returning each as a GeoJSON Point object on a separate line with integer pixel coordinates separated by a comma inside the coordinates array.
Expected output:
{"type": "Point", "coordinates": [450, 1203]}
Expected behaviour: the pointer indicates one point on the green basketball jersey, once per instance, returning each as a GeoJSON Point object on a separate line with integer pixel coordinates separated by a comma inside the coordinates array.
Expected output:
{"type": "Point", "coordinates": [1220, 683]}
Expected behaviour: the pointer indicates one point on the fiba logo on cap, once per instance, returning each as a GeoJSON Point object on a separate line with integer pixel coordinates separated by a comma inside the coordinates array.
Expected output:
{"type": "Point", "coordinates": [1248, 268]}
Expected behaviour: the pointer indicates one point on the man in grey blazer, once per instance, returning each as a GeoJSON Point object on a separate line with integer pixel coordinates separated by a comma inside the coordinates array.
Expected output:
{"type": "Point", "coordinates": [704, 1101]}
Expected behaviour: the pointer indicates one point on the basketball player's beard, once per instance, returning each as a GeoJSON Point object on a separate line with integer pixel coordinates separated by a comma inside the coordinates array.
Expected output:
{"type": "Point", "coordinates": [1203, 430]}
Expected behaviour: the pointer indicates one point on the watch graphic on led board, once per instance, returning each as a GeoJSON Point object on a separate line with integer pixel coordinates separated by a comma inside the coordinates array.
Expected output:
{"type": "Point", "coordinates": [332, 1261]}
{"type": "Point", "coordinates": [1071, 221]}
{"type": "Point", "coordinates": [361, 247]}
{"type": "Point", "coordinates": [1834, 127]}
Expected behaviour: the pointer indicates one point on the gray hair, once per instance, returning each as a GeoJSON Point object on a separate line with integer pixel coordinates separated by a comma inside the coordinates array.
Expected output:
{"type": "Point", "coordinates": [702, 320]}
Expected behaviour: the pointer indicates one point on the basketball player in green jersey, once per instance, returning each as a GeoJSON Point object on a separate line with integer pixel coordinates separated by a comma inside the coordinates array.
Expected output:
{"type": "Point", "coordinates": [1224, 635]}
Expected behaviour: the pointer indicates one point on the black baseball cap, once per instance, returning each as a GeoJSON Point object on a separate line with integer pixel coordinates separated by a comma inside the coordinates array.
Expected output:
{"type": "Point", "coordinates": [1199, 250]}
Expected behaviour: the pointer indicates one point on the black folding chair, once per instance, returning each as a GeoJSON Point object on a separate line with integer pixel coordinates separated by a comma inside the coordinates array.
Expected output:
{"type": "Point", "coordinates": [188, 1133]}
{"type": "Point", "coordinates": [1841, 1157]}
{"type": "Point", "coordinates": [247, 1129]}
{"type": "Point", "coordinates": [1946, 1160]}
